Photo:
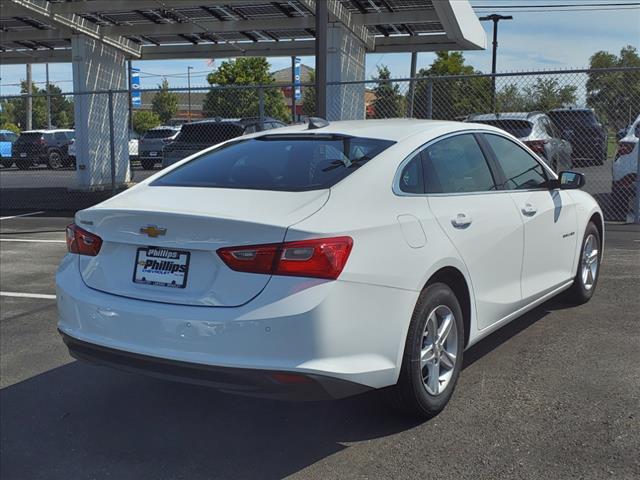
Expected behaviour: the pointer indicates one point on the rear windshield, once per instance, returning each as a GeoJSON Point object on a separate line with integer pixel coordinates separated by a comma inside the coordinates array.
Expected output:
{"type": "Point", "coordinates": [566, 118]}
{"type": "Point", "coordinates": [29, 137]}
{"type": "Point", "coordinates": [277, 162]}
{"type": "Point", "coordinates": [517, 128]}
{"type": "Point", "coordinates": [160, 133]}
{"type": "Point", "coordinates": [209, 133]}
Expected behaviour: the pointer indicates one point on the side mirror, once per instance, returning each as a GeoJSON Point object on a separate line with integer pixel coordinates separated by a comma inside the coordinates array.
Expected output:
{"type": "Point", "coordinates": [571, 180]}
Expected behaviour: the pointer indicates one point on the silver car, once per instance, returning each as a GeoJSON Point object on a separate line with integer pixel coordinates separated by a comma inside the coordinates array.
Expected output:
{"type": "Point", "coordinates": [537, 131]}
{"type": "Point", "coordinates": [151, 145]}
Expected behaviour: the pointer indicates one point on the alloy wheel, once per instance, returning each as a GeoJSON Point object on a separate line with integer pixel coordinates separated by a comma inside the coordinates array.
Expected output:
{"type": "Point", "coordinates": [439, 349]}
{"type": "Point", "coordinates": [589, 263]}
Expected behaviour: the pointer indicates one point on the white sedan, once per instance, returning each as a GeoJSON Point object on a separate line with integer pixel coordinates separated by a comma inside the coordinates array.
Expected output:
{"type": "Point", "coordinates": [327, 259]}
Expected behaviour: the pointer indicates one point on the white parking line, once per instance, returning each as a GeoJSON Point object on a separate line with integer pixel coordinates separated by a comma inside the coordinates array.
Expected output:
{"type": "Point", "coordinates": [23, 215]}
{"type": "Point", "coordinates": [28, 295]}
{"type": "Point", "coordinates": [32, 240]}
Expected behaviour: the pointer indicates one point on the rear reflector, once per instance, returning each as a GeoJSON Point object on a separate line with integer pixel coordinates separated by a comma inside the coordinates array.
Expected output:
{"type": "Point", "coordinates": [82, 242]}
{"type": "Point", "coordinates": [317, 258]}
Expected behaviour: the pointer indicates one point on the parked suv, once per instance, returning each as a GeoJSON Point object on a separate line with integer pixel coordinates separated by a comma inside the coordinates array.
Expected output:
{"type": "Point", "coordinates": [197, 136]}
{"type": "Point", "coordinates": [581, 127]}
{"type": "Point", "coordinates": [7, 139]}
{"type": "Point", "coordinates": [537, 131]}
{"type": "Point", "coordinates": [152, 143]}
{"type": "Point", "coordinates": [49, 147]}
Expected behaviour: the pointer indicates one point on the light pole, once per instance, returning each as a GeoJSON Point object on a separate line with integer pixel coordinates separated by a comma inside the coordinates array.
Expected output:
{"type": "Point", "coordinates": [495, 18]}
{"type": "Point", "coordinates": [189, 91]}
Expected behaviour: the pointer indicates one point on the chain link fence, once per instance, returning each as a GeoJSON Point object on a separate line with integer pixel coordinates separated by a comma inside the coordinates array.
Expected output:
{"type": "Point", "coordinates": [584, 120]}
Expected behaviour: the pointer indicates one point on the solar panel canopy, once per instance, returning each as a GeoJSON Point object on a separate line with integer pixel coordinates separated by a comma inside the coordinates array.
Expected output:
{"type": "Point", "coordinates": [33, 31]}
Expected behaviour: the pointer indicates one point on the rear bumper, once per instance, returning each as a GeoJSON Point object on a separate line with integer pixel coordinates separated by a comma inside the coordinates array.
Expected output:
{"type": "Point", "coordinates": [320, 329]}
{"type": "Point", "coordinates": [249, 382]}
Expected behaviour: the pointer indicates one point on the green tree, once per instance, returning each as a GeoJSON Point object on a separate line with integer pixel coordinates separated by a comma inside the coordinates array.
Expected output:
{"type": "Point", "coordinates": [452, 98]}
{"type": "Point", "coordinates": [165, 103]}
{"type": "Point", "coordinates": [309, 97]}
{"type": "Point", "coordinates": [144, 120]}
{"type": "Point", "coordinates": [15, 110]}
{"type": "Point", "coordinates": [231, 102]}
{"type": "Point", "coordinates": [388, 102]}
{"type": "Point", "coordinates": [614, 94]}
{"type": "Point", "coordinates": [547, 94]}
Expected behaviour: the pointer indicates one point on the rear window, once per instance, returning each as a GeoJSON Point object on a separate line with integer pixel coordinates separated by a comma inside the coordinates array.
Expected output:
{"type": "Point", "coordinates": [517, 128]}
{"type": "Point", "coordinates": [161, 133]}
{"type": "Point", "coordinates": [209, 133]}
{"type": "Point", "coordinates": [29, 137]}
{"type": "Point", "coordinates": [277, 162]}
{"type": "Point", "coordinates": [566, 118]}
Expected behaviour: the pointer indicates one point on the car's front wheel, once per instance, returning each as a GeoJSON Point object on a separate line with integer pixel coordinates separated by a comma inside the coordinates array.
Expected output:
{"type": "Point", "coordinates": [433, 353]}
{"type": "Point", "coordinates": [586, 279]}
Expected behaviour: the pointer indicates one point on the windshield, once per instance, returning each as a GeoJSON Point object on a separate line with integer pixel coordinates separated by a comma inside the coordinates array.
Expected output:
{"type": "Point", "coordinates": [160, 133]}
{"type": "Point", "coordinates": [517, 128]}
{"type": "Point", "coordinates": [277, 162]}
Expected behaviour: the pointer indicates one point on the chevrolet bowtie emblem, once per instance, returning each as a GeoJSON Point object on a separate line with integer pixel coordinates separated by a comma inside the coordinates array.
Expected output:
{"type": "Point", "coordinates": [153, 231]}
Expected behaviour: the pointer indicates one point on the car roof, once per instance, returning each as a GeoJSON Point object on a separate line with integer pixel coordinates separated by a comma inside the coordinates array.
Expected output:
{"type": "Point", "coordinates": [571, 110]}
{"type": "Point", "coordinates": [53, 130]}
{"type": "Point", "coordinates": [6, 131]}
{"type": "Point", "coordinates": [394, 129]}
{"type": "Point", "coordinates": [505, 116]}
{"type": "Point", "coordinates": [242, 121]}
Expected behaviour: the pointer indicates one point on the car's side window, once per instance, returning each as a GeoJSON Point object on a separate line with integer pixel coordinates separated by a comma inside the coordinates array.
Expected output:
{"type": "Point", "coordinates": [411, 177]}
{"type": "Point", "coordinates": [521, 170]}
{"type": "Point", "coordinates": [456, 165]}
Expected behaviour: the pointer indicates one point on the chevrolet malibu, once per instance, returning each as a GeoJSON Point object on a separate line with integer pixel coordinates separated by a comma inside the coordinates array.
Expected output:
{"type": "Point", "coordinates": [328, 259]}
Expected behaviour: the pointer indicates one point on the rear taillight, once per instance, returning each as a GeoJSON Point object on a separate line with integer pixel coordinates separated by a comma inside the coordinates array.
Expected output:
{"type": "Point", "coordinates": [625, 148]}
{"type": "Point", "coordinates": [82, 242]}
{"type": "Point", "coordinates": [536, 145]}
{"type": "Point", "coordinates": [318, 258]}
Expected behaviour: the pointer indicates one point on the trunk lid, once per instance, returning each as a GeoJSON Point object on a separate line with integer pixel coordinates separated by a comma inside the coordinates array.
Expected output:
{"type": "Point", "coordinates": [201, 222]}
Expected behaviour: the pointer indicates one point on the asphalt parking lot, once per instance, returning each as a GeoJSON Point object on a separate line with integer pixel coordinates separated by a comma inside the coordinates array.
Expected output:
{"type": "Point", "coordinates": [555, 394]}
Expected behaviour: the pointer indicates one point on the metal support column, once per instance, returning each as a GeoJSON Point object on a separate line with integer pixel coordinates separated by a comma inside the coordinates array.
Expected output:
{"type": "Point", "coordinates": [112, 151]}
{"type": "Point", "coordinates": [29, 119]}
{"type": "Point", "coordinates": [412, 86]}
{"type": "Point", "coordinates": [48, 96]}
{"type": "Point", "coordinates": [322, 25]}
{"type": "Point", "coordinates": [261, 107]}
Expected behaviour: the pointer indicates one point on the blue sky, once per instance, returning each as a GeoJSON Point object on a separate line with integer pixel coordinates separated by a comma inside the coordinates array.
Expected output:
{"type": "Point", "coordinates": [532, 41]}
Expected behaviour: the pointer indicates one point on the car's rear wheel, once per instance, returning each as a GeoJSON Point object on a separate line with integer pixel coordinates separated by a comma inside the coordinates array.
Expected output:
{"type": "Point", "coordinates": [54, 160]}
{"type": "Point", "coordinates": [586, 279]}
{"type": "Point", "coordinates": [7, 162]}
{"type": "Point", "coordinates": [433, 353]}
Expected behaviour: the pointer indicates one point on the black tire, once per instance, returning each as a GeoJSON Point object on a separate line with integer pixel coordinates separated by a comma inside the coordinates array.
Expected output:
{"type": "Point", "coordinates": [54, 160]}
{"type": "Point", "coordinates": [147, 164]}
{"type": "Point", "coordinates": [7, 162]}
{"type": "Point", "coordinates": [410, 393]}
{"type": "Point", "coordinates": [24, 164]}
{"type": "Point", "coordinates": [580, 292]}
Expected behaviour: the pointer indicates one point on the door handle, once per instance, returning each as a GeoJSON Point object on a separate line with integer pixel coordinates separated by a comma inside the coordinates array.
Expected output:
{"type": "Point", "coordinates": [461, 220]}
{"type": "Point", "coordinates": [529, 210]}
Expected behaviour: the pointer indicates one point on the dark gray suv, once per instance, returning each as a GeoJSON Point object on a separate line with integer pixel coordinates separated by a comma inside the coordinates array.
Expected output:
{"type": "Point", "coordinates": [197, 136]}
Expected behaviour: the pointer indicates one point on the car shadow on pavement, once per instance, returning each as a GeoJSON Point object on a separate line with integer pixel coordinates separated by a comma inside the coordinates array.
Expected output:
{"type": "Point", "coordinates": [82, 421]}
